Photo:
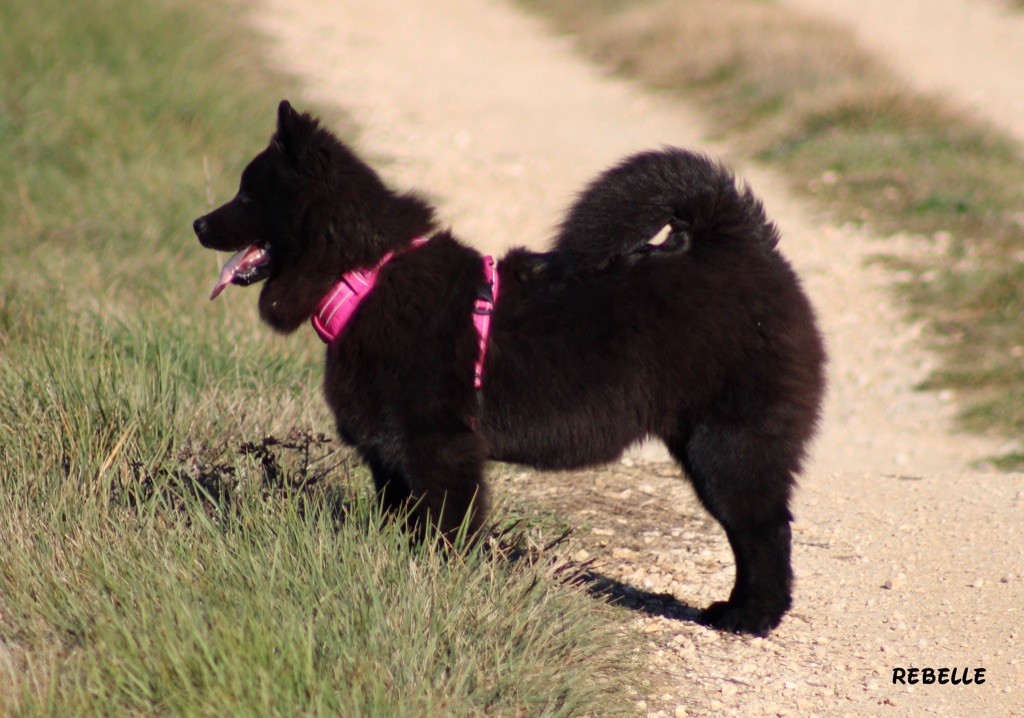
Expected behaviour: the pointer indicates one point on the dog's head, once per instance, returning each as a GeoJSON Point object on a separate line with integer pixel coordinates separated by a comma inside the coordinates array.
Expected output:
{"type": "Point", "coordinates": [307, 211]}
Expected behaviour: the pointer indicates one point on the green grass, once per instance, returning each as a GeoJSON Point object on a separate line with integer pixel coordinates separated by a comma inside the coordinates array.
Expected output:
{"type": "Point", "coordinates": [800, 95]}
{"type": "Point", "coordinates": [273, 609]}
{"type": "Point", "coordinates": [176, 537]}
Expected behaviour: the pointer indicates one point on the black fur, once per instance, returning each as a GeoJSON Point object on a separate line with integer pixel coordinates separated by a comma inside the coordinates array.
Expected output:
{"type": "Point", "coordinates": [706, 341]}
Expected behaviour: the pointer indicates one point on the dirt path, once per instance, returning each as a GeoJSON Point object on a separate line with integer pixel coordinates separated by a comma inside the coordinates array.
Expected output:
{"type": "Point", "coordinates": [904, 557]}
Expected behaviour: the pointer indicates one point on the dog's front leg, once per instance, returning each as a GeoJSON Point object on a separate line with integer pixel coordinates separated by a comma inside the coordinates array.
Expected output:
{"type": "Point", "coordinates": [393, 490]}
{"type": "Point", "coordinates": [447, 482]}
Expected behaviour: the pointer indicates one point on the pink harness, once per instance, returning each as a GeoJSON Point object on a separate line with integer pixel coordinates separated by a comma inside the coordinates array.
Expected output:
{"type": "Point", "coordinates": [336, 309]}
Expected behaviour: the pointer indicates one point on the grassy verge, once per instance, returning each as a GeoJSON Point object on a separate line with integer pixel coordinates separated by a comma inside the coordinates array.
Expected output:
{"type": "Point", "coordinates": [800, 95]}
{"type": "Point", "coordinates": [272, 608]}
{"type": "Point", "coordinates": [162, 551]}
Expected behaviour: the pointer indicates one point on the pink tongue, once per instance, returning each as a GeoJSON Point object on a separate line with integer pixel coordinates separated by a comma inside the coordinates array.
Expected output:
{"type": "Point", "coordinates": [239, 262]}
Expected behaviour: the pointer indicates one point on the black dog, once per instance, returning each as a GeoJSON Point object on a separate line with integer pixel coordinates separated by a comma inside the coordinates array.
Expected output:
{"type": "Point", "coordinates": [706, 341]}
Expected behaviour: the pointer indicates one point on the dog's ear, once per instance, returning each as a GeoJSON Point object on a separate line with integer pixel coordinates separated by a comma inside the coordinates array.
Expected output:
{"type": "Point", "coordinates": [285, 116]}
{"type": "Point", "coordinates": [292, 132]}
{"type": "Point", "coordinates": [296, 137]}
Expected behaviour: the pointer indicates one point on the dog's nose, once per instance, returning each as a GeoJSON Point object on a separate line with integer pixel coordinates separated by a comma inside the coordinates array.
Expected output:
{"type": "Point", "coordinates": [199, 227]}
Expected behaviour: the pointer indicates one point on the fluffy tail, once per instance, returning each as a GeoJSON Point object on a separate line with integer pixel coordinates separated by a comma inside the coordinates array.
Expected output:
{"type": "Point", "coordinates": [618, 213]}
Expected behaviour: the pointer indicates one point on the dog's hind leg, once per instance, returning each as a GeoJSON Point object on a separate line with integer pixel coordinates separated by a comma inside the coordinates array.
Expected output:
{"type": "Point", "coordinates": [747, 490]}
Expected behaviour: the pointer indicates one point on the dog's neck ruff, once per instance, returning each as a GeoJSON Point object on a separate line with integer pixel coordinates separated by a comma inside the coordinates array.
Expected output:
{"type": "Point", "coordinates": [337, 308]}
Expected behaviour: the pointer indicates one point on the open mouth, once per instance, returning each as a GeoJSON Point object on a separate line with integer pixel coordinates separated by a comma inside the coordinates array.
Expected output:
{"type": "Point", "coordinates": [247, 266]}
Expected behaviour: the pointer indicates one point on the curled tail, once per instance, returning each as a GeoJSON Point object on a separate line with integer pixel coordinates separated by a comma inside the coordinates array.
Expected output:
{"type": "Point", "coordinates": [617, 214]}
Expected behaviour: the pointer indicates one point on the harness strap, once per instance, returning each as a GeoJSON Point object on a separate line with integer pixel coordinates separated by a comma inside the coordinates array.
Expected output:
{"type": "Point", "coordinates": [340, 304]}
{"type": "Point", "coordinates": [483, 310]}
{"type": "Point", "coordinates": [336, 309]}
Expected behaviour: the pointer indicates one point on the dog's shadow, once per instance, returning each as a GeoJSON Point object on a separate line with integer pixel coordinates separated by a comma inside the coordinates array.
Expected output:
{"type": "Point", "coordinates": [510, 544]}
{"type": "Point", "coordinates": [623, 595]}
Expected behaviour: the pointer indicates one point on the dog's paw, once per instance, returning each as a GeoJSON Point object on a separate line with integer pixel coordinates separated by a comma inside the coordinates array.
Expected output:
{"type": "Point", "coordinates": [752, 619]}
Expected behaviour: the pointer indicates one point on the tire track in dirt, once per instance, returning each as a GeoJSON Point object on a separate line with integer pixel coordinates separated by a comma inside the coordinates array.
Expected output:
{"type": "Point", "coordinates": [498, 121]}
